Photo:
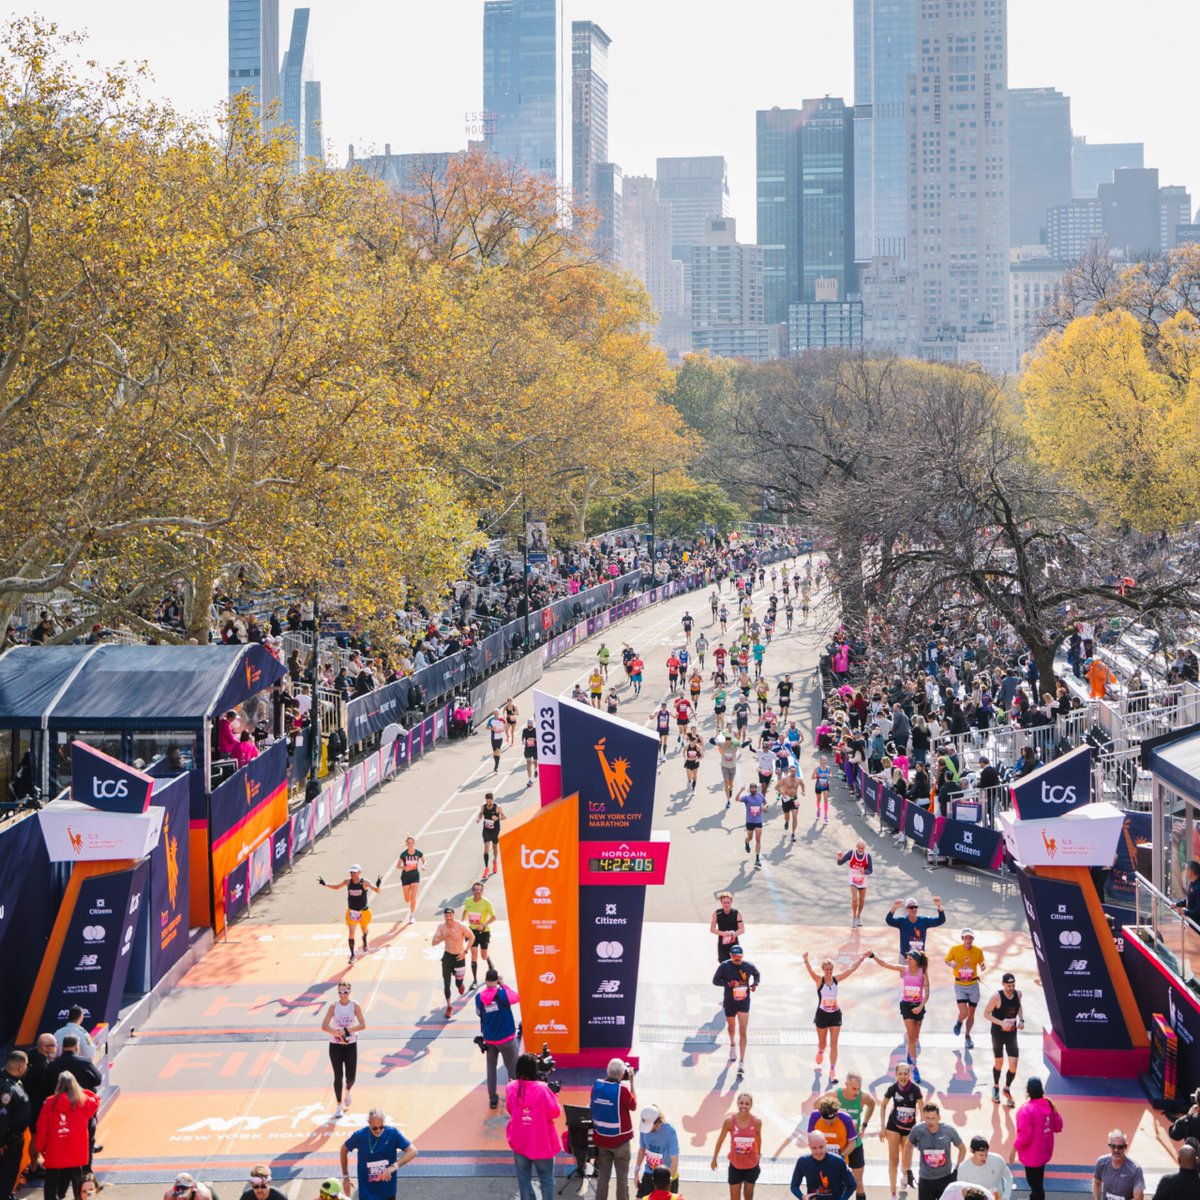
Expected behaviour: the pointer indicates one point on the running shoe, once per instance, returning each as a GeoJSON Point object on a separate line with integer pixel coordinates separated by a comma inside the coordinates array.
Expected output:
{"type": "Point", "coordinates": [741, 1068]}
{"type": "Point", "coordinates": [916, 1074]}
{"type": "Point", "coordinates": [995, 1095]}
{"type": "Point", "coordinates": [793, 837]}
{"type": "Point", "coordinates": [1009, 1102]}
{"type": "Point", "coordinates": [969, 1042]}
{"type": "Point", "coordinates": [529, 783]}
{"type": "Point", "coordinates": [758, 862]}
{"type": "Point", "coordinates": [732, 1052]}
{"type": "Point", "coordinates": [462, 990]}
{"type": "Point", "coordinates": [494, 1102]}
{"type": "Point", "coordinates": [474, 985]}
{"type": "Point", "coordinates": [337, 1112]}
{"type": "Point", "coordinates": [957, 1028]}
{"type": "Point", "coordinates": [351, 959]}
{"type": "Point", "coordinates": [449, 1011]}
{"type": "Point", "coordinates": [747, 845]}
{"type": "Point", "coordinates": [833, 1080]}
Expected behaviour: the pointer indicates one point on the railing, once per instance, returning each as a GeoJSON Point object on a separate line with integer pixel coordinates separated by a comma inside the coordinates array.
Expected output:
{"type": "Point", "coordinates": [1166, 930]}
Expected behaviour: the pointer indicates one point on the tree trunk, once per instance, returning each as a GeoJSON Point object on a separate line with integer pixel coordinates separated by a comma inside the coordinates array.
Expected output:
{"type": "Point", "coordinates": [850, 586]}
{"type": "Point", "coordinates": [197, 599]}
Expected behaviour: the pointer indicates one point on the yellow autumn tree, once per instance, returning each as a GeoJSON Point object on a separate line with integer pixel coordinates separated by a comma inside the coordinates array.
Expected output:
{"type": "Point", "coordinates": [1120, 424]}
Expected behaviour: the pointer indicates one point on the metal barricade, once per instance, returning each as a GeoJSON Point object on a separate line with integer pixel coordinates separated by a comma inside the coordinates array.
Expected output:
{"type": "Point", "coordinates": [1166, 930]}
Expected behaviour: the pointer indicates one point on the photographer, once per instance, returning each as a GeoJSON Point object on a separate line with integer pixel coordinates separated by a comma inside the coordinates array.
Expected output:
{"type": "Point", "coordinates": [187, 1187]}
{"type": "Point", "coordinates": [498, 1028]}
{"type": "Point", "coordinates": [1188, 1126]}
{"type": "Point", "coordinates": [532, 1135]}
{"type": "Point", "coordinates": [614, 1100]}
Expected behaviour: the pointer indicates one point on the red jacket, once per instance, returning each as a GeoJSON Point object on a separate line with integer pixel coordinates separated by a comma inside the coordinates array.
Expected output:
{"type": "Point", "coordinates": [62, 1131]}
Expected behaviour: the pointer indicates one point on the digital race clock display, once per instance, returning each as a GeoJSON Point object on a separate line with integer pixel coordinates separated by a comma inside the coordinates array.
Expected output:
{"type": "Point", "coordinates": [622, 866]}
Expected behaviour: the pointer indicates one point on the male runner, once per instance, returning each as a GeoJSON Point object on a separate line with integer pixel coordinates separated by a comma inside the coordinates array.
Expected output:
{"type": "Point", "coordinates": [724, 618]}
{"type": "Point", "coordinates": [490, 816]}
{"type": "Point", "coordinates": [821, 776]}
{"type": "Point", "coordinates": [788, 786]}
{"type": "Point", "coordinates": [762, 689]}
{"type": "Point", "coordinates": [662, 726]}
{"type": "Point", "coordinates": [358, 903]}
{"type": "Point", "coordinates": [478, 914]}
{"type": "Point", "coordinates": [758, 650]}
{"type": "Point", "coordinates": [701, 650]}
{"type": "Point", "coordinates": [683, 717]}
{"type": "Point", "coordinates": [602, 657]}
{"type": "Point", "coordinates": [765, 761]}
{"type": "Point", "coordinates": [784, 689]}
{"type": "Point", "coordinates": [737, 978]}
{"type": "Point", "coordinates": [967, 966]}
{"type": "Point", "coordinates": [720, 654]}
{"type": "Point", "coordinates": [789, 611]}
{"type": "Point", "coordinates": [636, 670]}
{"type": "Point", "coordinates": [687, 622]}
{"type": "Point", "coordinates": [495, 728]}
{"type": "Point", "coordinates": [714, 603]}
{"type": "Point", "coordinates": [1005, 1015]}
{"type": "Point", "coordinates": [741, 718]}
{"type": "Point", "coordinates": [596, 686]}
{"type": "Point", "coordinates": [529, 750]}
{"type": "Point", "coordinates": [754, 802]}
{"type": "Point", "coordinates": [456, 937]}
{"type": "Point", "coordinates": [727, 748]}
{"type": "Point", "coordinates": [673, 671]}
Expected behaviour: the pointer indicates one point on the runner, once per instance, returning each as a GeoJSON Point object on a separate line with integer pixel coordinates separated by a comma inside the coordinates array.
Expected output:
{"type": "Point", "coordinates": [1005, 1015]}
{"type": "Point", "coordinates": [795, 741]}
{"type": "Point", "coordinates": [684, 659]}
{"type": "Point", "coordinates": [701, 650]}
{"type": "Point", "coordinates": [784, 690]}
{"type": "Point", "coordinates": [720, 654]}
{"type": "Point", "coordinates": [860, 1106]}
{"type": "Point", "coordinates": [765, 762]}
{"type": "Point", "coordinates": [343, 1022]}
{"type": "Point", "coordinates": [683, 718]}
{"type": "Point", "coordinates": [966, 966]}
{"type": "Point", "coordinates": [745, 1148]}
{"type": "Point", "coordinates": [358, 903]}
{"type": "Point", "coordinates": [529, 749]}
{"type": "Point", "coordinates": [789, 611]}
{"type": "Point", "coordinates": [914, 997]}
{"type": "Point", "coordinates": [714, 602]}
{"type": "Point", "coordinates": [805, 601]}
{"type": "Point", "coordinates": [687, 624]}
{"type": "Point", "coordinates": [456, 937]}
{"type": "Point", "coordinates": [637, 669]}
{"type": "Point", "coordinates": [860, 865]}
{"type": "Point", "coordinates": [788, 786]}
{"type": "Point", "coordinates": [837, 1127]}
{"type": "Point", "coordinates": [747, 616]}
{"type": "Point", "coordinates": [727, 748]}
{"type": "Point", "coordinates": [602, 657]}
{"type": "Point", "coordinates": [596, 686]}
{"type": "Point", "coordinates": [478, 914]}
{"type": "Point", "coordinates": [758, 651]}
{"type": "Point", "coordinates": [753, 800]}
{"type": "Point", "coordinates": [735, 976]}
{"type": "Point", "coordinates": [693, 752]}
{"type": "Point", "coordinates": [905, 1097]}
{"type": "Point", "coordinates": [828, 1018]}
{"type": "Point", "coordinates": [741, 719]}
{"type": "Point", "coordinates": [762, 689]}
{"type": "Point", "coordinates": [613, 702]}
{"type": "Point", "coordinates": [495, 728]}
{"type": "Point", "coordinates": [490, 816]}
{"type": "Point", "coordinates": [912, 927]}
{"type": "Point", "coordinates": [820, 777]}
{"type": "Point", "coordinates": [673, 671]}
{"type": "Point", "coordinates": [410, 862]}
{"type": "Point", "coordinates": [726, 925]}
{"type": "Point", "coordinates": [724, 617]}
{"type": "Point", "coordinates": [510, 721]}
{"type": "Point", "coordinates": [720, 699]}
{"type": "Point", "coordinates": [695, 684]}
{"type": "Point", "coordinates": [662, 726]}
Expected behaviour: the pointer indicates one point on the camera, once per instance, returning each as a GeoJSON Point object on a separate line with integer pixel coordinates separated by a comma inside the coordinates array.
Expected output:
{"type": "Point", "coordinates": [545, 1066]}
{"type": "Point", "coordinates": [629, 1073]}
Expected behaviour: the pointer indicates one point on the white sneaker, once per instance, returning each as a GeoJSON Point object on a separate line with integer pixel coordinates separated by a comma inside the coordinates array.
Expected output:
{"type": "Point", "coordinates": [346, 1100]}
{"type": "Point", "coordinates": [337, 1112]}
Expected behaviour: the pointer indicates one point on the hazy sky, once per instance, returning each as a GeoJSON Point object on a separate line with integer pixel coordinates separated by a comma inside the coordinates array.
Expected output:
{"type": "Point", "coordinates": [686, 76]}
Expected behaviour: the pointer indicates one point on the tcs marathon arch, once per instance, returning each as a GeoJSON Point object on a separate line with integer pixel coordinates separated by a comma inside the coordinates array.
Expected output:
{"type": "Point", "coordinates": [575, 877]}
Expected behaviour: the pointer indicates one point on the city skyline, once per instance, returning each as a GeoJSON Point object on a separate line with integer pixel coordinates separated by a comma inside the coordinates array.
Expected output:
{"type": "Point", "coordinates": [702, 102]}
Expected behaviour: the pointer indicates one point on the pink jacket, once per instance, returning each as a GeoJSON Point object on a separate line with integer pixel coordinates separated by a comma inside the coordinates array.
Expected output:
{"type": "Point", "coordinates": [533, 1109]}
{"type": "Point", "coordinates": [1037, 1123]}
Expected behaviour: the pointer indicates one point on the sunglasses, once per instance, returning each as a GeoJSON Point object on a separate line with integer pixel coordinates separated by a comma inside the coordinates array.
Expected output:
{"type": "Point", "coordinates": [1117, 1145]}
{"type": "Point", "coordinates": [260, 1185]}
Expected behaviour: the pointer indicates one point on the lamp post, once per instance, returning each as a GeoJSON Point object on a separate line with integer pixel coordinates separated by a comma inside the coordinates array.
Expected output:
{"type": "Point", "coordinates": [653, 515]}
{"type": "Point", "coordinates": [313, 788]}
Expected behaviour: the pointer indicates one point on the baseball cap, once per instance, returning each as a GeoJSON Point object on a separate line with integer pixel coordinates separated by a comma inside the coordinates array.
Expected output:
{"type": "Point", "coordinates": [911, 902]}
{"type": "Point", "coordinates": [650, 1114]}
{"type": "Point", "coordinates": [735, 949]}
{"type": "Point", "coordinates": [1008, 977]}
{"type": "Point", "coordinates": [967, 933]}
{"type": "Point", "coordinates": [331, 1187]}
{"type": "Point", "coordinates": [355, 869]}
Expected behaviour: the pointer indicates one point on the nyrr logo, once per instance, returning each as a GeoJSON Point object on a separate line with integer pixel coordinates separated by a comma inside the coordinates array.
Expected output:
{"type": "Point", "coordinates": [538, 860]}
{"type": "Point", "coordinates": [616, 775]}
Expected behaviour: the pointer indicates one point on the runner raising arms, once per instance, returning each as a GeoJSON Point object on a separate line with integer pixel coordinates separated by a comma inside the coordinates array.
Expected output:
{"type": "Point", "coordinates": [358, 904]}
{"type": "Point", "coordinates": [490, 816]}
{"type": "Point", "coordinates": [860, 865]}
{"type": "Point", "coordinates": [1005, 1015]}
{"type": "Point", "coordinates": [343, 1022]}
{"type": "Point", "coordinates": [914, 996]}
{"type": "Point", "coordinates": [828, 1019]}
{"type": "Point", "coordinates": [410, 862]}
{"type": "Point", "coordinates": [745, 1148]}
{"type": "Point", "coordinates": [726, 925]}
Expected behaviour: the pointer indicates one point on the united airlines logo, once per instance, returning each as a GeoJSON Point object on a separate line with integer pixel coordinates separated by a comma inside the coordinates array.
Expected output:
{"type": "Point", "coordinates": [616, 775]}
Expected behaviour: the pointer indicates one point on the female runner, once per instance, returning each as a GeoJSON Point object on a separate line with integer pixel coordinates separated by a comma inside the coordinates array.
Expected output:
{"type": "Point", "coordinates": [914, 996]}
{"type": "Point", "coordinates": [343, 1022]}
{"type": "Point", "coordinates": [828, 1019]}
{"type": "Point", "coordinates": [905, 1097]}
{"type": "Point", "coordinates": [410, 862]}
{"type": "Point", "coordinates": [745, 1147]}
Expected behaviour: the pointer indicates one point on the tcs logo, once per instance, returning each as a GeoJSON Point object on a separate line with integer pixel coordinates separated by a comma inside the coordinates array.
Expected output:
{"type": "Point", "coordinates": [538, 860]}
{"type": "Point", "coordinates": [1057, 794]}
{"type": "Point", "coordinates": [109, 789]}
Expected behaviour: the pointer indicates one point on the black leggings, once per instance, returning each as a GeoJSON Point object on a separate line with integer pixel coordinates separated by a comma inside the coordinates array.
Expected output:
{"type": "Point", "coordinates": [59, 1179]}
{"type": "Point", "coordinates": [343, 1056]}
{"type": "Point", "coordinates": [450, 963]}
{"type": "Point", "coordinates": [1036, 1178]}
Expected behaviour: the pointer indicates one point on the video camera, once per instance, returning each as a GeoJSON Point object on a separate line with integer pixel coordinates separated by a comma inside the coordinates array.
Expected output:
{"type": "Point", "coordinates": [545, 1067]}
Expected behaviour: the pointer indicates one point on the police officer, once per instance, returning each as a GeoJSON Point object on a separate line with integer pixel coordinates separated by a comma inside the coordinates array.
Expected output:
{"type": "Point", "coordinates": [14, 1120]}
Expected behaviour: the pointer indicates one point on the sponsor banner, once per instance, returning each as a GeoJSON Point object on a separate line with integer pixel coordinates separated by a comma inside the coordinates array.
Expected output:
{"type": "Point", "coordinates": [1085, 1011]}
{"type": "Point", "coordinates": [75, 832]}
{"type": "Point", "coordinates": [610, 945]}
{"type": "Point", "coordinates": [387, 750]}
{"type": "Point", "coordinates": [970, 844]}
{"type": "Point", "coordinates": [428, 733]}
{"type": "Point", "coordinates": [302, 828]}
{"type": "Point", "coordinates": [248, 794]}
{"type": "Point", "coordinates": [93, 961]}
{"type": "Point", "coordinates": [920, 825]}
{"type": "Point", "coordinates": [547, 721]}
{"type": "Point", "coordinates": [281, 847]}
{"type": "Point", "coordinates": [170, 871]}
{"type": "Point", "coordinates": [439, 723]}
{"type": "Point", "coordinates": [540, 852]}
{"type": "Point", "coordinates": [107, 783]}
{"type": "Point", "coordinates": [416, 742]}
{"type": "Point", "coordinates": [356, 783]}
{"type": "Point", "coordinates": [1055, 789]}
{"type": "Point", "coordinates": [372, 770]}
{"type": "Point", "coordinates": [322, 810]}
{"type": "Point", "coordinates": [374, 712]}
{"type": "Point", "coordinates": [236, 891]}
{"type": "Point", "coordinates": [1161, 993]}
{"type": "Point", "coordinates": [1086, 838]}
{"type": "Point", "coordinates": [891, 805]}
{"type": "Point", "coordinates": [1137, 827]}
{"type": "Point", "coordinates": [260, 865]}
{"type": "Point", "coordinates": [635, 864]}
{"type": "Point", "coordinates": [339, 795]}
{"type": "Point", "coordinates": [613, 766]}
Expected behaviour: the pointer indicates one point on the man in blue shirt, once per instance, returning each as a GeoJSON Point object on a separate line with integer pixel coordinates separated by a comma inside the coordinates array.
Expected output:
{"type": "Point", "coordinates": [382, 1151]}
{"type": "Point", "coordinates": [820, 1175]}
{"type": "Point", "coordinates": [912, 927]}
{"type": "Point", "coordinates": [658, 1147]}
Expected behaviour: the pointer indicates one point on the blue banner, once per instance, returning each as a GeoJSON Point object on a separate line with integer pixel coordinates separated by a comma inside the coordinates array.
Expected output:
{"type": "Point", "coordinates": [918, 824]}
{"type": "Point", "coordinates": [610, 947]}
{"type": "Point", "coordinates": [891, 806]}
{"type": "Point", "coordinates": [281, 847]}
{"type": "Point", "coordinates": [170, 875]}
{"type": "Point", "coordinates": [237, 891]}
{"type": "Point", "coordinates": [107, 783]}
{"type": "Point", "coordinates": [1083, 1005]}
{"type": "Point", "coordinates": [1055, 789]}
{"type": "Point", "coordinates": [302, 828]}
{"type": "Point", "coordinates": [1138, 827]}
{"type": "Point", "coordinates": [971, 844]}
{"type": "Point", "coordinates": [245, 792]}
{"type": "Point", "coordinates": [371, 714]}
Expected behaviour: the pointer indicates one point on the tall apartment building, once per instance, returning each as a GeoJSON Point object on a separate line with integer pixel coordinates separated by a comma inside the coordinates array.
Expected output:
{"type": "Point", "coordinates": [885, 58]}
{"type": "Point", "coordinates": [254, 50]}
{"type": "Point", "coordinates": [405, 173]}
{"type": "Point", "coordinates": [697, 189]}
{"type": "Point", "coordinates": [608, 191]}
{"type": "Point", "coordinates": [958, 176]}
{"type": "Point", "coordinates": [1073, 229]}
{"type": "Point", "coordinates": [1039, 160]}
{"type": "Point", "coordinates": [827, 197]}
{"type": "Point", "coordinates": [646, 253]}
{"type": "Point", "coordinates": [1094, 163]}
{"type": "Point", "coordinates": [589, 109]}
{"type": "Point", "coordinates": [1175, 204]}
{"type": "Point", "coordinates": [777, 145]}
{"type": "Point", "coordinates": [301, 93]}
{"type": "Point", "coordinates": [1130, 212]}
{"type": "Point", "coordinates": [727, 297]}
{"type": "Point", "coordinates": [523, 86]}
{"type": "Point", "coordinates": [1035, 281]}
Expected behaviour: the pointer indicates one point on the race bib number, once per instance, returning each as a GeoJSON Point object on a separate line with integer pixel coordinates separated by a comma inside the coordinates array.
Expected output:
{"type": "Point", "coordinates": [353, 915]}
{"type": "Point", "coordinates": [377, 1170]}
{"type": "Point", "coordinates": [474, 918]}
{"type": "Point", "coordinates": [934, 1158]}
{"type": "Point", "coordinates": [743, 1144]}
{"type": "Point", "coordinates": [966, 974]}
{"type": "Point", "coordinates": [740, 991]}
{"type": "Point", "coordinates": [917, 944]}
{"type": "Point", "coordinates": [857, 878]}
{"type": "Point", "coordinates": [829, 1006]}
{"type": "Point", "coordinates": [653, 1160]}
{"type": "Point", "coordinates": [727, 939]}
{"type": "Point", "coordinates": [913, 994]}
{"type": "Point", "coordinates": [489, 823]}
{"type": "Point", "coordinates": [754, 811]}
{"type": "Point", "coordinates": [905, 1114]}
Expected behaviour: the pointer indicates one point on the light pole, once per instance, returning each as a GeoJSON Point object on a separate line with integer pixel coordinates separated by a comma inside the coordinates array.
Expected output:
{"type": "Point", "coordinates": [313, 789]}
{"type": "Point", "coordinates": [653, 514]}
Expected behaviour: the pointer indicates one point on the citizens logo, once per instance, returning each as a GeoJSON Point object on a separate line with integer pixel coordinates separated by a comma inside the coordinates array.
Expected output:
{"type": "Point", "coordinates": [538, 860]}
{"type": "Point", "coordinates": [93, 933]}
{"type": "Point", "coordinates": [612, 951]}
{"type": "Point", "coordinates": [610, 917]}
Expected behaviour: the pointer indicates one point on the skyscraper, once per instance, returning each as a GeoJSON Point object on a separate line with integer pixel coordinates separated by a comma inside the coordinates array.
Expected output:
{"type": "Point", "coordinates": [1039, 160]}
{"type": "Point", "coordinates": [727, 296]}
{"type": "Point", "coordinates": [958, 175]}
{"type": "Point", "coordinates": [589, 109]}
{"type": "Point", "coordinates": [1131, 213]}
{"type": "Point", "coordinates": [697, 190]}
{"type": "Point", "coordinates": [1175, 204]}
{"type": "Point", "coordinates": [827, 197]}
{"type": "Point", "coordinates": [1094, 163]}
{"type": "Point", "coordinates": [254, 50]}
{"type": "Point", "coordinates": [779, 195]}
{"type": "Point", "coordinates": [607, 203]}
{"type": "Point", "coordinates": [522, 85]}
{"type": "Point", "coordinates": [314, 140]}
{"type": "Point", "coordinates": [885, 56]}
{"type": "Point", "coordinates": [296, 75]}
{"type": "Point", "coordinates": [646, 253]}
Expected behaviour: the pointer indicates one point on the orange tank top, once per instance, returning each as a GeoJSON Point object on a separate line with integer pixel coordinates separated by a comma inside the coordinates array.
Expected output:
{"type": "Point", "coordinates": [742, 1151]}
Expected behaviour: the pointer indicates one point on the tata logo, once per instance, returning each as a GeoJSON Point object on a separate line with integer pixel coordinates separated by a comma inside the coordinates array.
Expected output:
{"type": "Point", "coordinates": [1070, 937]}
{"type": "Point", "coordinates": [109, 789]}
{"type": "Point", "coordinates": [1053, 793]}
{"type": "Point", "coordinates": [613, 951]}
{"type": "Point", "coordinates": [93, 933]}
{"type": "Point", "coordinates": [538, 860]}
